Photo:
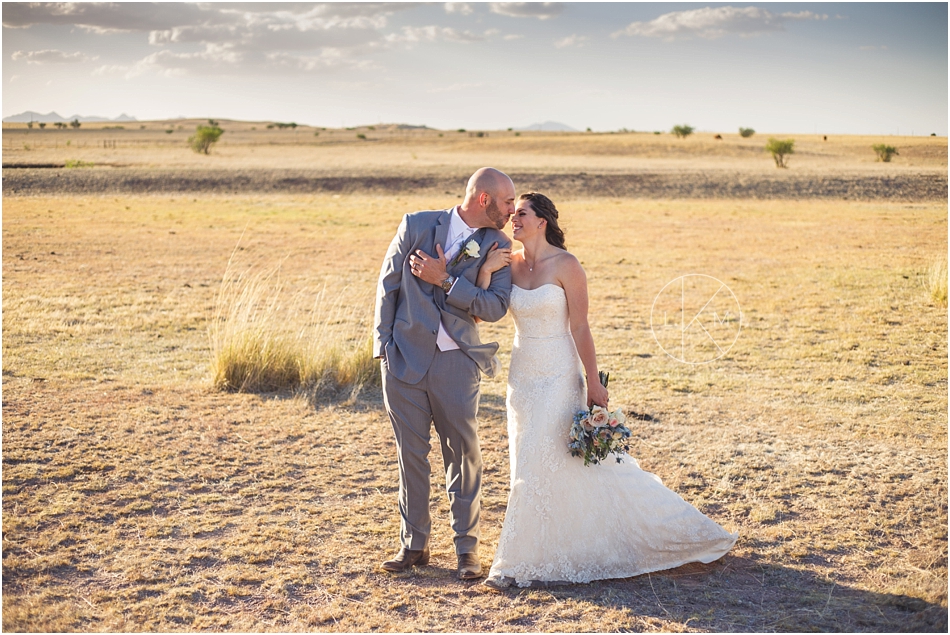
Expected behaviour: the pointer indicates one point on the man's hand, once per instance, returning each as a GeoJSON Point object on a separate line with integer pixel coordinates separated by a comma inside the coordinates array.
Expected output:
{"type": "Point", "coordinates": [429, 268]}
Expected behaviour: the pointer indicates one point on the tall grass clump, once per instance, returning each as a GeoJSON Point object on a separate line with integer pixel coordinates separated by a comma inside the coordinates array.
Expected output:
{"type": "Point", "coordinates": [936, 282]}
{"type": "Point", "coordinates": [264, 339]}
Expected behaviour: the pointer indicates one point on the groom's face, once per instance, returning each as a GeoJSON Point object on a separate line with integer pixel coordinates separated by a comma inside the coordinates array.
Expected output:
{"type": "Point", "coordinates": [500, 208]}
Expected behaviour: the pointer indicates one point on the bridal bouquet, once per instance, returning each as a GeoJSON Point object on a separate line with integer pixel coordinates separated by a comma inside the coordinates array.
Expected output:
{"type": "Point", "coordinates": [598, 432]}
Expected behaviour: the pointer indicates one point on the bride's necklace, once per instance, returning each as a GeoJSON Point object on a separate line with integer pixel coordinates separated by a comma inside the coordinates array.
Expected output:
{"type": "Point", "coordinates": [531, 267]}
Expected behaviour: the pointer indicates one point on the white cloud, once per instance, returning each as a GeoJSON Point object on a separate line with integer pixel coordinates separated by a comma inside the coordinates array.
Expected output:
{"type": "Point", "coordinates": [416, 34]}
{"type": "Point", "coordinates": [715, 22]}
{"type": "Point", "coordinates": [50, 56]}
{"type": "Point", "coordinates": [229, 60]}
{"type": "Point", "coordinates": [571, 40]}
{"type": "Point", "coordinates": [267, 37]}
{"type": "Point", "coordinates": [513, 36]}
{"type": "Point", "coordinates": [104, 16]}
{"type": "Point", "coordinates": [462, 8]}
{"type": "Point", "coordinates": [540, 10]}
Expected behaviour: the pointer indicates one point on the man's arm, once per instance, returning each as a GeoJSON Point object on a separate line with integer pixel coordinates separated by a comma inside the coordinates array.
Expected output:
{"type": "Point", "coordinates": [489, 304]}
{"type": "Point", "coordinates": [387, 289]}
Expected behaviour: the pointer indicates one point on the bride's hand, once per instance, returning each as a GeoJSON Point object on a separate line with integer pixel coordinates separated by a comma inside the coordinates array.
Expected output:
{"type": "Point", "coordinates": [496, 259]}
{"type": "Point", "coordinates": [597, 395]}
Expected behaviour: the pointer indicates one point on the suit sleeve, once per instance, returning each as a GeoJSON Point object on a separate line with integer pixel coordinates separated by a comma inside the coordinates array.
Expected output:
{"type": "Point", "coordinates": [489, 304]}
{"type": "Point", "coordinates": [387, 289]}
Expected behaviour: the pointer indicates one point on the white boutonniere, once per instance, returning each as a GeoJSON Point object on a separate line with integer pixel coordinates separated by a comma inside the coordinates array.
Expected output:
{"type": "Point", "coordinates": [470, 250]}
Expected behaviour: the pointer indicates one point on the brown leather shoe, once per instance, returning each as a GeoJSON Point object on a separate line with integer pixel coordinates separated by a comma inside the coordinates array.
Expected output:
{"type": "Point", "coordinates": [469, 566]}
{"type": "Point", "coordinates": [406, 559]}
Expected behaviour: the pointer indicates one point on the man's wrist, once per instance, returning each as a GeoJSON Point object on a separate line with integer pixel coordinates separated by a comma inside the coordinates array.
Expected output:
{"type": "Point", "coordinates": [447, 283]}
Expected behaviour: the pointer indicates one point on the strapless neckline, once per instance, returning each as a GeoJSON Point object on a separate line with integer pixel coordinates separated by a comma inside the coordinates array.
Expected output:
{"type": "Point", "coordinates": [546, 284]}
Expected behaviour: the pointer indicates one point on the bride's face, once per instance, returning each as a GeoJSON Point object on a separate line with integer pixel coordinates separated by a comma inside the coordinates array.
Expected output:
{"type": "Point", "coordinates": [525, 223]}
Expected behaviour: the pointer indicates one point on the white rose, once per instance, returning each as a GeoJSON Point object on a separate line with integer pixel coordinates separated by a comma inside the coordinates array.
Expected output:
{"type": "Point", "coordinates": [471, 249]}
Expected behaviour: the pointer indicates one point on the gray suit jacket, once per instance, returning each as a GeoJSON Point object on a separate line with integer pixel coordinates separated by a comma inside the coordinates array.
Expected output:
{"type": "Point", "coordinates": [408, 310]}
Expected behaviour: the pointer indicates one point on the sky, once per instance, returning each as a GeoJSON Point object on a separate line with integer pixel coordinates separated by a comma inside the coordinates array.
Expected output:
{"type": "Point", "coordinates": [832, 68]}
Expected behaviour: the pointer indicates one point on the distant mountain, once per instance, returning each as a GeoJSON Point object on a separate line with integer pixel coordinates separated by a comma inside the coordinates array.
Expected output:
{"type": "Point", "coordinates": [549, 126]}
{"type": "Point", "coordinates": [52, 117]}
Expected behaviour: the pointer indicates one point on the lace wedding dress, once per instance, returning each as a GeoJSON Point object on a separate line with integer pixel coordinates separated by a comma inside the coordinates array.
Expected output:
{"type": "Point", "coordinates": [566, 522]}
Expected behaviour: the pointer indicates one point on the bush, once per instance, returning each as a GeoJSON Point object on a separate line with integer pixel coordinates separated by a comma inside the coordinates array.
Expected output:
{"type": "Point", "coordinates": [683, 131]}
{"type": "Point", "coordinates": [42, 125]}
{"type": "Point", "coordinates": [204, 138]}
{"type": "Point", "coordinates": [780, 149]}
{"type": "Point", "coordinates": [74, 123]}
{"type": "Point", "coordinates": [361, 136]}
{"type": "Point", "coordinates": [77, 163]}
{"type": "Point", "coordinates": [884, 152]}
{"type": "Point", "coordinates": [745, 133]}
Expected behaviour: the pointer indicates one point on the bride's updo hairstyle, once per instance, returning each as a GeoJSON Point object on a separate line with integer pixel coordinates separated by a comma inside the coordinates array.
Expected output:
{"type": "Point", "coordinates": [544, 208]}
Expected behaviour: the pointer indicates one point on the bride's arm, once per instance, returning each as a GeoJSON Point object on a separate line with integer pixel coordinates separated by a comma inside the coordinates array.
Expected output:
{"type": "Point", "coordinates": [574, 281]}
{"type": "Point", "coordinates": [495, 260]}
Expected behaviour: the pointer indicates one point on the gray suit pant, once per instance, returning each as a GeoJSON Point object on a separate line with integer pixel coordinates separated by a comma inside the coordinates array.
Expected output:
{"type": "Point", "coordinates": [448, 397]}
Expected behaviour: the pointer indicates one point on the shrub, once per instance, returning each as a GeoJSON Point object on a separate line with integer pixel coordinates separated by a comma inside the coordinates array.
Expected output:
{"type": "Point", "coordinates": [42, 125]}
{"type": "Point", "coordinates": [361, 136]}
{"type": "Point", "coordinates": [75, 123]}
{"type": "Point", "coordinates": [204, 138]}
{"type": "Point", "coordinates": [29, 124]}
{"type": "Point", "coordinates": [745, 133]}
{"type": "Point", "coordinates": [780, 149]}
{"type": "Point", "coordinates": [884, 152]}
{"type": "Point", "coordinates": [683, 131]}
{"type": "Point", "coordinates": [169, 131]}
{"type": "Point", "coordinates": [461, 129]}
{"type": "Point", "coordinates": [76, 163]}
{"type": "Point", "coordinates": [936, 282]}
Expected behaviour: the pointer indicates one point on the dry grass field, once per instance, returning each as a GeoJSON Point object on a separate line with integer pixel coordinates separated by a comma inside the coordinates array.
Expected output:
{"type": "Point", "coordinates": [137, 497]}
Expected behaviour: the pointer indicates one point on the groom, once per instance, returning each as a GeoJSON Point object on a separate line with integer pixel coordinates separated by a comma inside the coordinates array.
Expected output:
{"type": "Point", "coordinates": [425, 333]}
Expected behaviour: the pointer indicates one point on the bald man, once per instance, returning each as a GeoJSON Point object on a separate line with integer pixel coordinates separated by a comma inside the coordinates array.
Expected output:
{"type": "Point", "coordinates": [432, 357]}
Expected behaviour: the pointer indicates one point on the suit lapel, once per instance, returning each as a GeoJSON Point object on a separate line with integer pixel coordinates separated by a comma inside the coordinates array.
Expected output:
{"type": "Point", "coordinates": [441, 232]}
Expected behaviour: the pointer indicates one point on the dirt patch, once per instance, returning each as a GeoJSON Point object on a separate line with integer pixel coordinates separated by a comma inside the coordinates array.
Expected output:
{"type": "Point", "coordinates": [704, 185]}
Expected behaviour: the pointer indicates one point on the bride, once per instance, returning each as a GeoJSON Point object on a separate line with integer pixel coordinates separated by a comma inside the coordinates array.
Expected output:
{"type": "Point", "coordinates": [566, 522]}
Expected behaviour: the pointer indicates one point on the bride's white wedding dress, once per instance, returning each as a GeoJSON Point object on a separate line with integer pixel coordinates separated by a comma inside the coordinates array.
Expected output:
{"type": "Point", "coordinates": [566, 522]}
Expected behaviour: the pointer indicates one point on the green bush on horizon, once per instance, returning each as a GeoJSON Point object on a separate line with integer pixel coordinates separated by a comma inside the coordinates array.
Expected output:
{"type": "Point", "coordinates": [745, 133]}
{"type": "Point", "coordinates": [683, 131]}
{"type": "Point", "coordinates": [884, 152]}
{"type": "Point", "coordinates": [204, 138]}
{"type": "Point", "coordinates": [780, 149]}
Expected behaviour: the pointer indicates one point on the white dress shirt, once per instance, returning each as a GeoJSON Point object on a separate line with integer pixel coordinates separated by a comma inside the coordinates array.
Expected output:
{"type": "Point", "coordinates": [459, 233]}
